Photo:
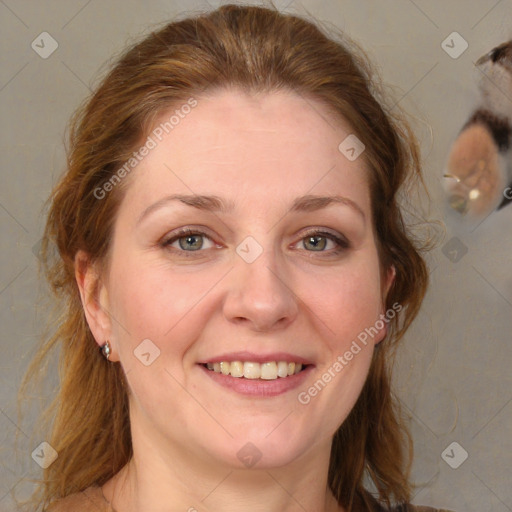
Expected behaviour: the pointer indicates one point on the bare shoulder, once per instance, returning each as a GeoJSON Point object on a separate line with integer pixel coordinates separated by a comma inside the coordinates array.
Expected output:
{"type": "Point", "coordinates": [88, 500]}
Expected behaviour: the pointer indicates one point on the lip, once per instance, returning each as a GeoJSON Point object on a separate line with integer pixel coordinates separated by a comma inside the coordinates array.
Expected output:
{"type": "Point", "coordinates": [257, 358]}
{"type": "Point", "coordinates": [257, 387]}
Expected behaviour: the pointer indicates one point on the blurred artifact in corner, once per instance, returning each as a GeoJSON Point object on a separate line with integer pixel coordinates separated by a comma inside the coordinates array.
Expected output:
{"type": "Point", "coordinates": [478, 175]}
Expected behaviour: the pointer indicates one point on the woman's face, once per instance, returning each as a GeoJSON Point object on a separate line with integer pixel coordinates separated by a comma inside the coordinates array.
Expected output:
{"type": "Point", "coordinates": [270, 271]}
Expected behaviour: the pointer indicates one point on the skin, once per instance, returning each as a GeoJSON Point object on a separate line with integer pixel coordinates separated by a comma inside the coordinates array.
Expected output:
{"type": "Point", "coordinates": [261, 152]}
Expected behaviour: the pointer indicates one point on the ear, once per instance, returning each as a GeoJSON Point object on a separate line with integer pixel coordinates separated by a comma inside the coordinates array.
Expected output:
{"type": "Point", "coordinates": [387, 282]}
{"type": "Point", "coordinates": [389, 279]}
{"type": "Point", "coordinates": [94, 296]}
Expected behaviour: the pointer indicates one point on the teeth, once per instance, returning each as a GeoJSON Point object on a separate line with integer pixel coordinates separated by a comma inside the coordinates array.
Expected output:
{"type": "Point", "coordinates": [269, 371]}
{"type": "Point", "coordinates": [224, 368]}
{"type": "Point", "coordinates": [250, 370]}
{"type": "Point", "coordinates": [237, 369]}
{"type": "Point", "coordinates": [282, 369]}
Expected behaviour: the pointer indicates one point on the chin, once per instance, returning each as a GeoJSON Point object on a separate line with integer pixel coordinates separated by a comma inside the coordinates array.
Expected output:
{"type": "Point", "coordinates": [262, 447]}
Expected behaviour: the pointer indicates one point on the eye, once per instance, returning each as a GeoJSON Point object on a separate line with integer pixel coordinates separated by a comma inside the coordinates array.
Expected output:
{"type": "Point", "coordinates": [319, 241]}
{"type": "Point", "coordinates": [189, 241]}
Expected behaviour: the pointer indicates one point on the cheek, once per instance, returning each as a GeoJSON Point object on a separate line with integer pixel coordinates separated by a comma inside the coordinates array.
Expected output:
{"type": "Point", "coordinates": [152, 302]}
{"type": "Point", "coordinates": [347, 301]}
{"type": "Point", "coordinates": [348, 305]}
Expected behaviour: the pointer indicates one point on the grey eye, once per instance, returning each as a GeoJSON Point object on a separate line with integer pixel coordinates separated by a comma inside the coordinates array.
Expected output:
{"type": "Point", "coordinates": [191, 242]}
{"type": "Point", "coordinates": [316, 243]}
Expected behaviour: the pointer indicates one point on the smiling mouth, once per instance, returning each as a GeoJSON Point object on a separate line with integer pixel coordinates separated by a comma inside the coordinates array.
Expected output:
{"type": "Point", "coordinates": [271, 370]}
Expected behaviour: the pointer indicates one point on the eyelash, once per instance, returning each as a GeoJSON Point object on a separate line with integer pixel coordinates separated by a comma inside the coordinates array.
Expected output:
{"type": "Point", "coordinates": [341, 243]}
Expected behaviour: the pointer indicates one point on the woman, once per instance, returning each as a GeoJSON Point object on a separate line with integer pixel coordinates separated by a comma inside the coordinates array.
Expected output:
{"type": "Point", "coordinates": [236, 272]}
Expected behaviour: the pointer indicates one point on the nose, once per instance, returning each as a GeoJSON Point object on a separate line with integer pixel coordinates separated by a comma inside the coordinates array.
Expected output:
{"type": "Point", "coordinates": [260, 296]}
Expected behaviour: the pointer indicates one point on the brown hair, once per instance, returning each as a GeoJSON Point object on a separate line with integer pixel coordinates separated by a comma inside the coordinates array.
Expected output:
{"type": "Point", "coordinates": [256, 49]}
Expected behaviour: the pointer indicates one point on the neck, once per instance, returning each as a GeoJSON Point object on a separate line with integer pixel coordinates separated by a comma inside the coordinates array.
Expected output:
{"type": "Point", "coordinates": [156, 478]}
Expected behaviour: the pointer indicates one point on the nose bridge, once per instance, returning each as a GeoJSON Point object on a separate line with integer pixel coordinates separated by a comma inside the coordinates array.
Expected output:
{"type": "Point", "coordinates": [259, 292]}
{"type": "Point", "coordinates": [261, 274]}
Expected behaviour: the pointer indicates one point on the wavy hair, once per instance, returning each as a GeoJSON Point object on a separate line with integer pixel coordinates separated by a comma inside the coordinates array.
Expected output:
{"type": "Point", "coordinates": [255, 49]}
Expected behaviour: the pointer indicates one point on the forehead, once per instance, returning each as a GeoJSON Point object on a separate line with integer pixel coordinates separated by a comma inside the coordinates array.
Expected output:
{"type": "Point", "coordinates": [264, 146]}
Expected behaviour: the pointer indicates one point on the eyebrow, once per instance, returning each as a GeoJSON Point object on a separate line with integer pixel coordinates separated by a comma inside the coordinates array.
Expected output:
{"type": "Point", "coordinates": [205, 203]}
{"type": "Point", "coordinates": [311, 203]}
{"type": "Point", "coordinates": [308, 203]}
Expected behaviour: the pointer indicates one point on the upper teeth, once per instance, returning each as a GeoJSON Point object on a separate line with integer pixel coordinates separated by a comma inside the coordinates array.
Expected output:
{"type": "Point", "coordinates": [250, 370]}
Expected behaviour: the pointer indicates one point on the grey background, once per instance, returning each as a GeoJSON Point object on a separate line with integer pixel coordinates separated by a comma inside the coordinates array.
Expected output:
{"type": "Point", "coordinates": [453, 373]}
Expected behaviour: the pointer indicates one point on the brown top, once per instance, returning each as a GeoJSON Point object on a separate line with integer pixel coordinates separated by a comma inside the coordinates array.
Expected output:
{"type": "Point", "coordinates": [93, 500]}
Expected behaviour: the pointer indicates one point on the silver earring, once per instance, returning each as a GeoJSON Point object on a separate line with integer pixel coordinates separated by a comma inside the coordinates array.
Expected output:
{"type": "Point", "coordinates": [105, 349]}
